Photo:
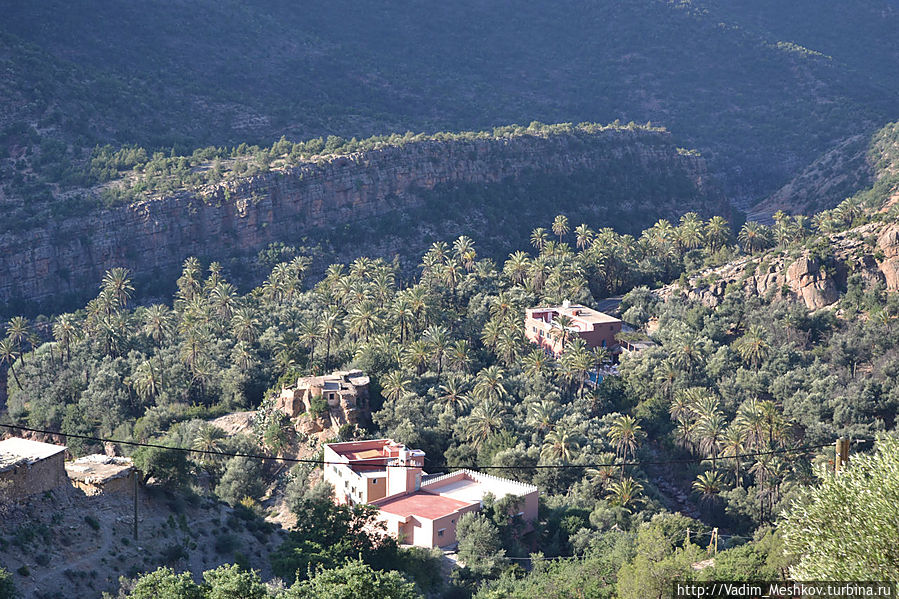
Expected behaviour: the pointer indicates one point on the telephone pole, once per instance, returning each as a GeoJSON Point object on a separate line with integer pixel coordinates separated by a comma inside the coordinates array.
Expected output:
{"type": "Point", "coordinates": [135, 504]}
{"type": "Point", "coordinates": [841, 454]}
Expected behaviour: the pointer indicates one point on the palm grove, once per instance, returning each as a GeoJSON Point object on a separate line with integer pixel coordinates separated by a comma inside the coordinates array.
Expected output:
{"type": "Point", "coordinates": [455, 377]}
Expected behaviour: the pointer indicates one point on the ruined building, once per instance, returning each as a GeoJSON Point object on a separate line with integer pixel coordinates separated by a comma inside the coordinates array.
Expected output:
{"type": "Point", "coordinates": [330, 401]}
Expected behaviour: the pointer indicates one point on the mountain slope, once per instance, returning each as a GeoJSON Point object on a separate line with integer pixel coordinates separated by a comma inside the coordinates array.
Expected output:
{"type": "Point", "coordinates": [740, 87]}
{"type": "Point", "coordinates": [388, 200]}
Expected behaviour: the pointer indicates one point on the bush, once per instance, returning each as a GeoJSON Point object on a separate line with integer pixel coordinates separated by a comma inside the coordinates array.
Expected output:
{"type": "Point", "coordinates": [7, 588]}
{"type": "Point", "coordinates": [92, 522]}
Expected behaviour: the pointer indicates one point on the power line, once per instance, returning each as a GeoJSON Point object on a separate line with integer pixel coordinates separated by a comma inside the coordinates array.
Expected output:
{"type": "Point", "coordinates": [256, 456]}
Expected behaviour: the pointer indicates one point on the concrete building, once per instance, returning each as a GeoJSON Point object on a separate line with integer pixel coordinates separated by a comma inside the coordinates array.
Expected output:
{"type": "Point", "coordinates": [97, 473]}
{"type": "Point", "coordinates": [359, 473]}
{"type": "Point", "coordinates": [344, 391]}
{"type": "Point", "coordinates": [416, 509]}
{"type": "Point", "coordinates": [543, 328]}
{"type": "Point", "coordinates": [30, 467]}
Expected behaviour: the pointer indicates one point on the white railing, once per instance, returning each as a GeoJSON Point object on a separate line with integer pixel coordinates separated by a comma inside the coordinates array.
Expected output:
{"type": "Point", "coordinates": [481, 477]}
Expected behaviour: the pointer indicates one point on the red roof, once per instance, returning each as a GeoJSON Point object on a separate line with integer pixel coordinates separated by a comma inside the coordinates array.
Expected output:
{"type": "Point", "coordinates": [421, 503]}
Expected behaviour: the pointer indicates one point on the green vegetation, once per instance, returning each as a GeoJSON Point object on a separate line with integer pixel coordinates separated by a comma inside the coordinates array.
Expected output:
{"type": "Point", "coordinates": [818, 525]}
{"type": "Point", "coordinates": [454, 376]}
{"type": "Point", "coordinates": [7, 588]}
{"type": "Point", "coordinates": [93, 89]}
{"type": "Point", "coordinates": [161, 174]}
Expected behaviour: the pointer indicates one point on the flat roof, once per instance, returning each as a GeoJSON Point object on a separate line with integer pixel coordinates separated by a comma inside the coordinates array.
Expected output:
{"type": "Point", "coordinates": [471, 487]}
{"type": "Point", "coordinates": [421, 504]}
{"type": "Point", "coordinates": [580, 312]}
{"type": "Point", "coordinates": [15, 450]}
{"type": "Point", "coordinates": [98, 468]}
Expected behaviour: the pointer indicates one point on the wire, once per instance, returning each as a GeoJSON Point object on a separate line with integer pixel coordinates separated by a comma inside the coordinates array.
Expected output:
{"type": "Point", "coordinates": [256, 456]}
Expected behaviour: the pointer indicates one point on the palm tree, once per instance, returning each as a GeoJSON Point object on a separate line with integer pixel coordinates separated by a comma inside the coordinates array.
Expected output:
{"type": "Point", "coordinates": [625, 493]}
{"type": "Point", "coordinates": [539, 273]}
{"type": "Point", "coordinates": [732, 446]}
{"type": "Point", "coordinates": [158, 323]}
{"type": "Point", "coordinates": [463, 250]}
{"type": "Point", "coordinates": [537, 364]}
{"type": "Point", "coordinates": [224, 300]}
{"type": "Point", "coordinates": [717, 232]}
{"type": "Point", "coordinates": [666, 376]}
{"type": "Point", "coordinates": [395, 385]}
{"type": "Point", "coordinates": [754, 237]}
{"type": "Point", "coordinates": [208, 439]}
{"type": "Point", "coordinates": [486, 419]}
{"type": "Point", "coordinates": [460, 355]}
{"type": "Point", "coordinates": [438, 340]}
{"type": "Point", "coordinates": [418, 356]}
{"type": "Point", "coordinates": [363, 319]}
{"type": "Point", "coordinates": [65, 332]}
{"type": "Point", "coordinates": [508, 346]}
{"type": "Point", "coordinates": [784, 228]}
{"type": "Point", "coordinates": [17, 330]}
{"type": "Point", "coordinates": [489, 384]}
{"type": "Point", "coordinates": [8, 355]}
{"type": "Point", "coordinates": [117, 284]}
{"type": "Point", "coordinates": [559, 445]}
{"type": "Point", "coordinates": [605, 473]}
{"type": "Point", "coordinates": [625, 434]}
{"type": "Point", "coordinates": [600, 356]}
{"type": "Point", "coordinates": [752, 346]}
{"type": "Point", "coordinates": [147, 379]}
{"type": "Point", "coordinates": [516, 267]}
{"type": "Point", "coordinates": [542, 415]}
{"type": "Point", "coordinates": [576, 362]}
{"type": "Point", "coordinates": [689, 233]}
{"type": "Point", "coordinates": [452, 393]}
{"type": "Point", "coordinates": [194, 347]}
{"type": "Point", "coordinates": [330, 326]}
{"type": "Point", "coordinates": [687, 353]}
{"type": "Point", "coordinates": [539, 238]}
{"type": "Point", "coordinates": [403, 316]}
{"type": "Point", "coordinates": [491, 332]}
{"type": "Point", "coordinates": [709, 429]}
{"type": "Point", "coordinates": [451, 274]}
{"type": "Point", "coordinates": [751, 422]}
{"type": "Point", "coordinates": [560, 226]}
{"type": "Point", "coordinates": [681, 408]}
{"type": "Point", "coordinates": [708, 485]}
{"type": "Point", "coordinates": [245, 325]}
{"type": "Point", "coordinates": [562, 329]}
{"type": "Point", "coordinates": [242, 355]}
{"type": "Point", "coordinates": [583, 236]}
{"type": "Point", "coordinates": [309, 334]}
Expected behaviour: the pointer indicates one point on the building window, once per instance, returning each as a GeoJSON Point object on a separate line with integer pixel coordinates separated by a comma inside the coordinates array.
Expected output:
{"type": "Point", "coordinates": [374, 481]}
{"type": "Point", "coordinates": [440, 532]}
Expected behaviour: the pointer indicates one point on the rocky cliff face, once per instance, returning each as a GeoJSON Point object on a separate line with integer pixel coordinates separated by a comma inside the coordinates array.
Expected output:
{"type": "Point", "coordinates": [871, 251]}
{"type": "Point", "coordinates": [68, 258]}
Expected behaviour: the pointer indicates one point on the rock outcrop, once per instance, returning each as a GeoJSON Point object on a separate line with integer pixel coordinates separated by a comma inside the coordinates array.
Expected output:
{"type": "Point", "coordinates": [871, 251]}
{"type": "Point", "coordinates": [67, 258]}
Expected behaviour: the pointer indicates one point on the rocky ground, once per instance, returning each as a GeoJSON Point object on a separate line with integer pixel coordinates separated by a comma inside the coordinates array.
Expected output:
{"type": "Point", "coordinates": [66, 544]}
{"type": "Point", "coordinates": [814, 276]}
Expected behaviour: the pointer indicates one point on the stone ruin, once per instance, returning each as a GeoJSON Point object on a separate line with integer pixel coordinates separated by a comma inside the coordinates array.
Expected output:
{"type": "Point", "coordinates": [345, 393]}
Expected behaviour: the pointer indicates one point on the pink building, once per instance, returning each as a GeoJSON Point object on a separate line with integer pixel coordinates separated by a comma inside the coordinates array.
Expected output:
{"type": "Point", "coordinates": [359, 473]}
{"type": "Point", "coordinates": [542, 327]}
{"type": "Point", "coordinates": [416, 509]}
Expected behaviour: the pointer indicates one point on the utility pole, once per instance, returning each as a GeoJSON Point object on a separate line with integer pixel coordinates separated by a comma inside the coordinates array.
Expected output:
{"type": "Point", "coordinates": [713, 543]}
{"type": "Point", "coordinates": [135, 504]}
{"type": "Point", "coordinates": [841, 454]}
